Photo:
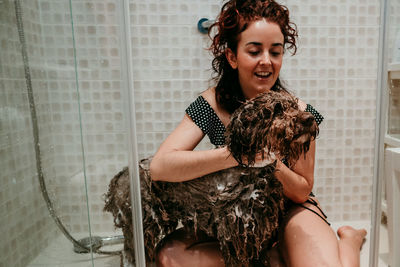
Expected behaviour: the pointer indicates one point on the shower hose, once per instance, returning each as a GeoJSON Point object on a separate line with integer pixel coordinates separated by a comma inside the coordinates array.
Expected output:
{"type": "Point", "coordinates": [85, 245]}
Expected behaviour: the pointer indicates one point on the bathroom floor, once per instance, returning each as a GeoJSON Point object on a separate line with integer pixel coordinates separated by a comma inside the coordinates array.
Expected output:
{"type": "Point", "coordinates": [60, 252]}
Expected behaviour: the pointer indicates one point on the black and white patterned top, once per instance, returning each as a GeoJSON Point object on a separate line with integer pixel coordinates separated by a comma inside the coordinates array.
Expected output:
{"type": "Point", "coordinates": [317, 116]}
{"type": "Point", "coordinates": [205, 117]}
{"type": "Point", "coordinates": [207, 120]}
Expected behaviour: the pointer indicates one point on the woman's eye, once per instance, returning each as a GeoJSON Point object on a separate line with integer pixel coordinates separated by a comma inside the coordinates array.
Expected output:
{"type": "Point", "coordinates": [275, 54]}
{"type": "Point", "coordinates": [254, 53]}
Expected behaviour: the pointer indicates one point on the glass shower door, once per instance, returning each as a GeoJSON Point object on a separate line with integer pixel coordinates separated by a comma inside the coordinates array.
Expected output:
{"type": "Point", "coordinates": [63, 131]}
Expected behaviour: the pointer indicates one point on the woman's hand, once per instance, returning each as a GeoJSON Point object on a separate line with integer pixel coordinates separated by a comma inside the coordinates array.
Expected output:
{"type": "Point", "coordinates": [262, 159]}
{"type": "Point", "coordinates": [299, 180]}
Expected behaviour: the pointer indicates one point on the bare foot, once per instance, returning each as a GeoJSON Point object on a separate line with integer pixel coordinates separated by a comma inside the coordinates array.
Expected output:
{"type": "Point", "coordinates": [356, 235]}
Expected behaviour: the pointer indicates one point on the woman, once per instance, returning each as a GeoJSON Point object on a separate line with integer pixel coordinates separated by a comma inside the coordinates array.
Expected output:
{"type": "Point", "coordinates": [251, 38]}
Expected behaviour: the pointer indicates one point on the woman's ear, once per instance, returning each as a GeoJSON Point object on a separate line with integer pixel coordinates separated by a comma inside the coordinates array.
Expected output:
{"type": "Point", "coordinates": [231, 57]}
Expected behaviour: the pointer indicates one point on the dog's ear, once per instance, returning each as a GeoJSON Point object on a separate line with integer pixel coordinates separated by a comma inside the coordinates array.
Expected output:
{"type": "Point", "coordinates": [305, 131]}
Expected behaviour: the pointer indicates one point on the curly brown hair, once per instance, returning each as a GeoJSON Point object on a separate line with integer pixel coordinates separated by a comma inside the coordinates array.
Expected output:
{"type": "Point", "coordinates": [234, 18]}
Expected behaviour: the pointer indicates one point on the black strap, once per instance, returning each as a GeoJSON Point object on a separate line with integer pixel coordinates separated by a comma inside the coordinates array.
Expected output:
{"type": "Point", "coordinates": [313, 202]}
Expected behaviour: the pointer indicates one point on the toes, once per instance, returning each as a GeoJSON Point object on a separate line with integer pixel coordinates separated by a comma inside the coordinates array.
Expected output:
{"type": "Point", "coordinates": [343, 229]}
{"type": "Point", "coordinates": [348, 231]}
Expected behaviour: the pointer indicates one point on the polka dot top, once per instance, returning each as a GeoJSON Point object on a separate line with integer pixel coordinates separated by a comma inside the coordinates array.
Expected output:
{"type": "Point", "coordinates": [318, 117]}
{"type": "Point", "coordinates": [205, 117]}
{"type": "Point", "coordinates": [207, 120]}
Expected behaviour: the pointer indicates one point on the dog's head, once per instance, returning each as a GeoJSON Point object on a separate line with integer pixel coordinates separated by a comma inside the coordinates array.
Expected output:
{"type": "Point", "coordinates": [270, 122]}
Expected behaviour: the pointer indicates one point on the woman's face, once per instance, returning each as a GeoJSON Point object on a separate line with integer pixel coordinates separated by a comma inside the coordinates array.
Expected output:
{"type": "Point", "coordinates": [258, 58]}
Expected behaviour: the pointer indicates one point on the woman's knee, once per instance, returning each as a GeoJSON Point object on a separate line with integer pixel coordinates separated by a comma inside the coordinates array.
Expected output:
{"type": "Point", "coordinates": [309, 241]}
{"type": "Point", "coordinates": [170, 255]}
{"type": "Point", "coordinates": [182, 250]}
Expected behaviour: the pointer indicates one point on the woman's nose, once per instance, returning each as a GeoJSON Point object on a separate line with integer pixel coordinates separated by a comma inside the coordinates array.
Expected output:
{"type": "Point", "coordinates": [265, 59]}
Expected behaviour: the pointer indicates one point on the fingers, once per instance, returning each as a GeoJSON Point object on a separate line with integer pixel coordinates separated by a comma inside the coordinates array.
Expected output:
{"type": "Point", "coordinates": [263, 159]}
{"type": "Point", "coordinates": [260, 159]}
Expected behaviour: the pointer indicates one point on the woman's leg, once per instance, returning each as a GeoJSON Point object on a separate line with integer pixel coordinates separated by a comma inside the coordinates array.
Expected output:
{"type": "Point", "coordinates": [309, 241]}
{"type": "Point", "coordinates": [350, 244]}
{"type": "Point", "coordinates": [183, 250]}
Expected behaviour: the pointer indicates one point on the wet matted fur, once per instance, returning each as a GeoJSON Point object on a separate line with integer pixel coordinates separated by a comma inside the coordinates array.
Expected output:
{"type": "Point", "coordinates": [242, 206]}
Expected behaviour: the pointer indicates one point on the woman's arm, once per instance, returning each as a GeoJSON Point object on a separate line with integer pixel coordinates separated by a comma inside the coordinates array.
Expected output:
{"type": "Point", "coordinates": [298, 181]}
{"type": "Point", "coordinates": [175, 161]}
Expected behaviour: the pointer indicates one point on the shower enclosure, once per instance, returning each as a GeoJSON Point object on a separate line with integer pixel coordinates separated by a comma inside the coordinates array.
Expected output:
{"type": "Point", "coordinates": [86, 85]}
{"type": "Point", "coordinates": [65, 129]}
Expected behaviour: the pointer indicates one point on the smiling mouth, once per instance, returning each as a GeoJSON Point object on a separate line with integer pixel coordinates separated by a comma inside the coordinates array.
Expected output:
{"type": "Point", "coordinates": [263, 75]}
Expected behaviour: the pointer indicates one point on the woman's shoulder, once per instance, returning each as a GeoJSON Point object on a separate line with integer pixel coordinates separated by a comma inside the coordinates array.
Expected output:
{"type": "Point", "coordinates": [308, 108]}
{"type": "Point", "coordinates": [203, 107]}
{"type": "Point", "coordinates": [210, 96]}
{"type": "Point", "coordinates": [206, 100]}
{"type": "Point", "coordinates": [302, 104]}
